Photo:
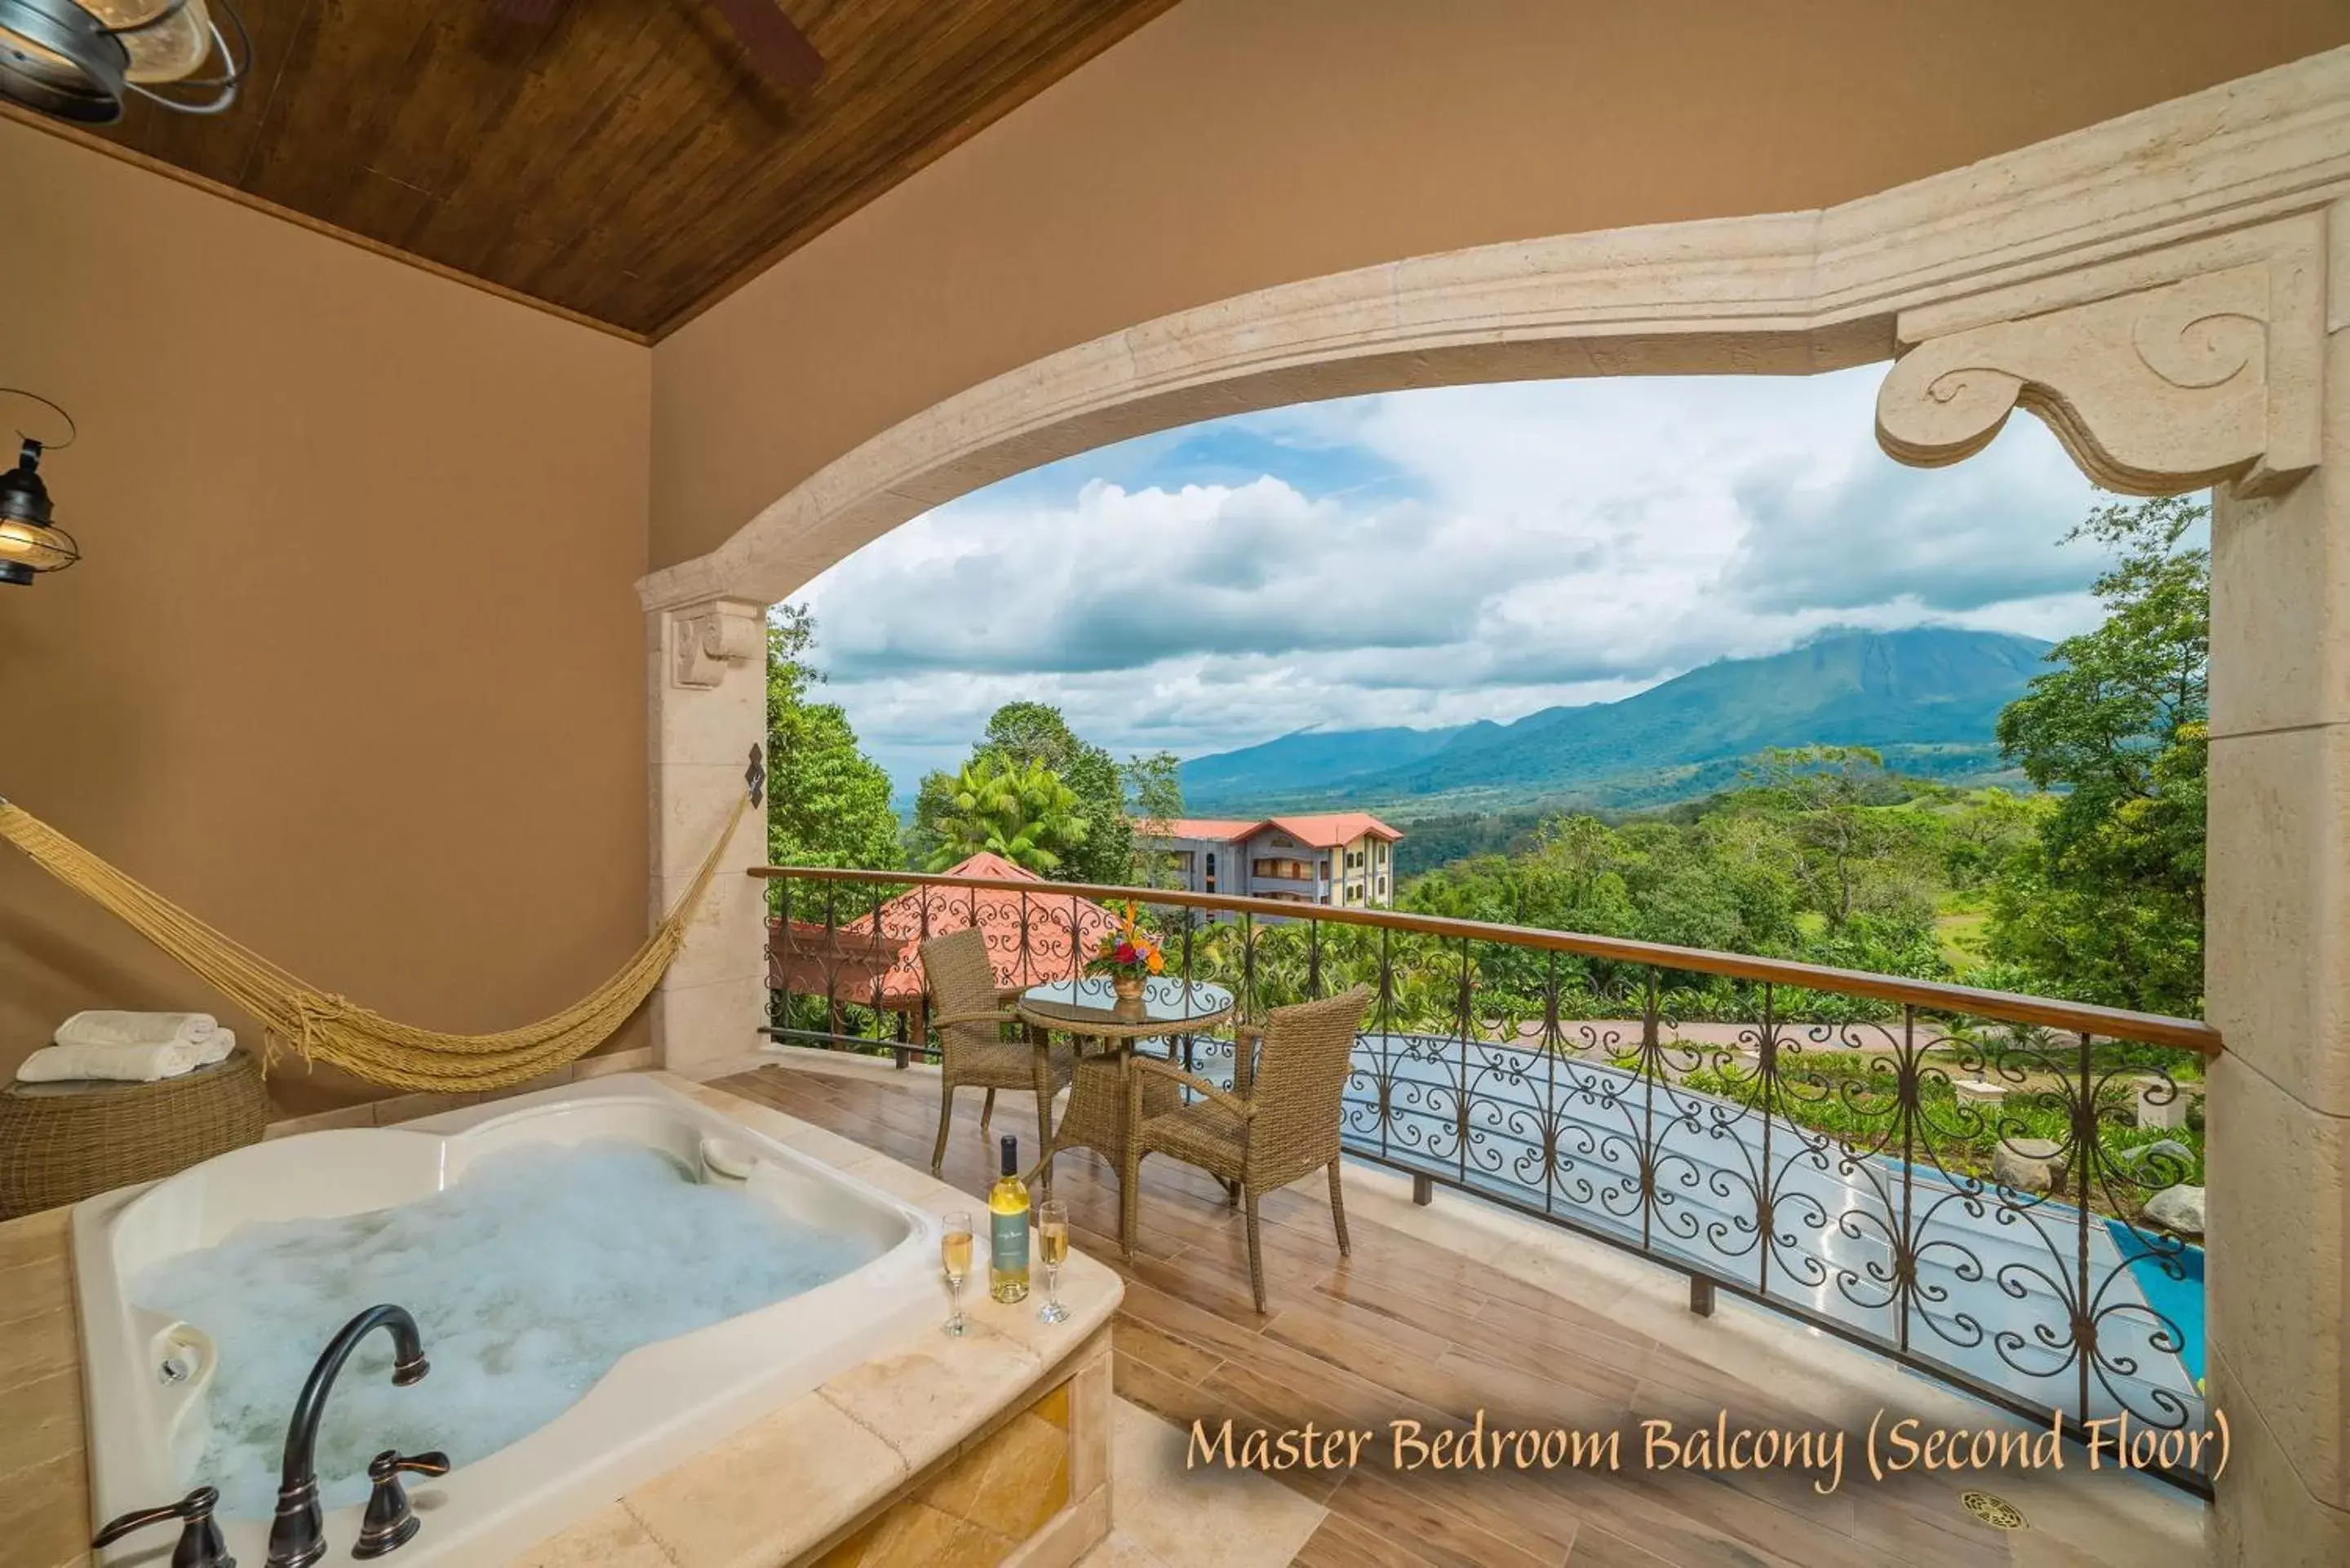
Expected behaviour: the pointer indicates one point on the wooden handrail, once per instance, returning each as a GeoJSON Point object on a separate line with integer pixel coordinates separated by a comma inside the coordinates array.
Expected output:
{"type": "Point", "coordinates": [2047, 1013]}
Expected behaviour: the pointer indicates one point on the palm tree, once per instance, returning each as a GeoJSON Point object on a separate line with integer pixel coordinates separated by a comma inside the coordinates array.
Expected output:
{"type": "Point", "coordinates": [1025, 814]}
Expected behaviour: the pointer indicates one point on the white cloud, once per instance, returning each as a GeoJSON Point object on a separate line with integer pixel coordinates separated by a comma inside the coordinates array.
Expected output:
{"type": "Point", "coordinates": [1495, 550]}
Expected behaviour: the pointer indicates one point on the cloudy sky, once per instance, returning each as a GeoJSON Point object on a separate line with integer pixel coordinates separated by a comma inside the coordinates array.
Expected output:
{"type": "Point", "coordinates": [1432, 557]}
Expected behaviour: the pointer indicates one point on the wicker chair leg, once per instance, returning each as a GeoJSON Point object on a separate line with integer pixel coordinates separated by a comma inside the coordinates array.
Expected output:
{"type": "Point", "coordinates": [1256, 1255]}
{"type": "Point", "coordinates": [1130, 1199]}
{"type": "Point", "coordinates": [1232, 1195]}
{"type": "Point", "coordinates": [986, 1112]}
{"type": "Point", "coordinates": [1338, 1211]}
{"type": "Point", "coordinates": [946, 1117]}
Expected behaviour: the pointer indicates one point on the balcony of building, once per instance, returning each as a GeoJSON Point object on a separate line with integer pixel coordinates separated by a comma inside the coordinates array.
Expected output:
{"type": "Point", "coordinates": [1951, 1198]}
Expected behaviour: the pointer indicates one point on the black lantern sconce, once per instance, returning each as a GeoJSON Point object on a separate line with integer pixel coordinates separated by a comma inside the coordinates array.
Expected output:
{"type": "Point", "coordinates": [30, 541]}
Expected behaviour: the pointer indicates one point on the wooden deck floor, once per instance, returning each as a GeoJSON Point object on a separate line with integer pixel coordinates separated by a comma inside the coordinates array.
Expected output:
{"type": "Point", "coordinates": [1407, 1329]}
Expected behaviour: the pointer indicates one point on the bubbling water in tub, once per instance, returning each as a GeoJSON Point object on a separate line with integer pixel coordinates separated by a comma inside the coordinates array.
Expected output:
{"type": "Point", "coordinates": [528, 1277]}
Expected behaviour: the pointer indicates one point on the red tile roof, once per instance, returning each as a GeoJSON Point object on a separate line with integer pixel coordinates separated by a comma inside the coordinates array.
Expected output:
{"type": "Point", "coordinates": [1326, 831]}
{"type": "Point", "coordinates": [1224, 829]}
{"type": "Point", "coordinates": [1031, 932]}
{"type": "Point", "coordinates": [1334, 828]}
{"type": "Point", "coordinates": [987, 863]}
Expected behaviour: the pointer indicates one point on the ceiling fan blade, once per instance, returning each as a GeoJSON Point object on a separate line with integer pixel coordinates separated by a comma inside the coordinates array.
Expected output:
{"type": "Point", "coordinates": [528, 13]}
{"type": "Point", "coordinates": [778, 46]}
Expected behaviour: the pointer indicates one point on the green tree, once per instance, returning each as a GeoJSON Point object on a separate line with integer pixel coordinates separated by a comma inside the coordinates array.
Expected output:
{"type": "Point", "coordinates": [1024, 812]}
{"type": "Point", "coordinates": [1986, 827]}
{"type": "Point", "coordinates": [1825, 794]}
{"type": "Point", "coordinates": [933, 804]}
{"type": "Point", "coordinates": [1026, 732]}
{"type": "Point", "coordinates": [1746, 873]}
{"type": "Point", "coordinates": [1710, 885]}
{"type": "Point", "coordinates": [1020, 735]}
{"type": "Point", "coordinates": [827, 802]}
{"type": "Point", "coordinates": [1153, 788]}
{"type": "Point", "coordinates": [2105, 904]}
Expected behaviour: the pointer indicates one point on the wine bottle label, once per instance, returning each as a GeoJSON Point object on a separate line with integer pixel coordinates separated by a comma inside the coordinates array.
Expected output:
{"type": "Point", "coordinates": [1008, 1234]}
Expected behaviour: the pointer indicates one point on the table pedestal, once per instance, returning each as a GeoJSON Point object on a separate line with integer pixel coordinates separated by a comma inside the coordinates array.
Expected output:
{"type": "Point", "coordinates": [1096, 1118]}
{"type": "Point", "coordinates": [1114, 1027]}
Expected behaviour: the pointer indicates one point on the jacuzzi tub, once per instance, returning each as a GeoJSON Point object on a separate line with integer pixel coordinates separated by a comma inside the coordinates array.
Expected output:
{"type": "Point", "coordinates": [145, 1375]}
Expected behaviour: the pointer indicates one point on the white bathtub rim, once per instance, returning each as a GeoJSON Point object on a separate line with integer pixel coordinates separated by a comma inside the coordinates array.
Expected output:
{"type": "Point", "coordinates": [628, 1429]}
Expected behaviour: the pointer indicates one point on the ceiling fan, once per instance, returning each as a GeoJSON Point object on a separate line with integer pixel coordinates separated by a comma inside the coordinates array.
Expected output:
{"type": "Point", "coordinates": [81, 59]}
{"type": "Point", "coordinates": [776, 46]}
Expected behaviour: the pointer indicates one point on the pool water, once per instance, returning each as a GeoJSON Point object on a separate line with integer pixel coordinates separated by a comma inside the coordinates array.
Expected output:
{"type": "Point", "coordinates": [528, 1279]}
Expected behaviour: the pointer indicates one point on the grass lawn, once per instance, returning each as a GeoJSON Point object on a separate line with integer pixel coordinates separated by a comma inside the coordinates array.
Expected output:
{"type": "Point", "coordinates": [1960, 921]}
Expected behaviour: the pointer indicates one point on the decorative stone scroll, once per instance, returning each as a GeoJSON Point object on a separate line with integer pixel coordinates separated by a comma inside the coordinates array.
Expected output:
{"type": "Point", "coordinates": [2154, 391]}
{"type": "Point", "coordinates": [705, 638]}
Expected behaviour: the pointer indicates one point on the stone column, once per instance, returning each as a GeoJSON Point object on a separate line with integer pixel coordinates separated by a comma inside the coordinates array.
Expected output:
{"type": "Point", "coordinates": [2278, 977]}
{"type": "Point", "coordinates": [2226, 362]}
{"type": "Point", "coordinates": [709, 696]}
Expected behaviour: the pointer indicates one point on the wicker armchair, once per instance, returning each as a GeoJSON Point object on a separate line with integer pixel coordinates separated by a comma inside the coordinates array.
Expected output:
{"type": "Point", "coordinates": [1278, 1122]}
{"type": "Point", "coordinates": [969, 1016]}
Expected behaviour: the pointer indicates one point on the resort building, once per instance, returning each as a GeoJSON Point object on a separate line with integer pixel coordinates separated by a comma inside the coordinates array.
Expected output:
{"type": "Point", "coordinates": [1345, 858]}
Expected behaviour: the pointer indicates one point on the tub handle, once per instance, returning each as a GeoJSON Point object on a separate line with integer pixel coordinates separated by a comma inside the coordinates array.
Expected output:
{"type": "Point", "coordinates": [200, 1545]}
{"type": "Point", "coordinates": [389, 1521]}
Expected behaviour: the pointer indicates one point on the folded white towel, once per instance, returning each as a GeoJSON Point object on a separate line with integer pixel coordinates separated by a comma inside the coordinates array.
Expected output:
{"type": "Point", "coordinates": [124, 1064]}
{"type": "Point", "coordinates": [114, 1028]}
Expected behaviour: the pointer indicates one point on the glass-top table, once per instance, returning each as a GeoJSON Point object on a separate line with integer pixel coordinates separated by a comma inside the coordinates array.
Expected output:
{"type": "Point", "coordinates": [1099, 1106]}
{"type": "Point", "coordinates": [1091, 1007]}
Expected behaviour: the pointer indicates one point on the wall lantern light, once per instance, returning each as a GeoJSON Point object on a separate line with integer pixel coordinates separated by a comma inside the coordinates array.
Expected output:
{"type": "Point", "coordinates": [30, 541]}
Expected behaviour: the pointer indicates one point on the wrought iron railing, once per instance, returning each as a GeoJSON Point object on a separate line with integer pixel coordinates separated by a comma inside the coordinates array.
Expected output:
{"type": "Point", "coordinates": [1957, 1178]}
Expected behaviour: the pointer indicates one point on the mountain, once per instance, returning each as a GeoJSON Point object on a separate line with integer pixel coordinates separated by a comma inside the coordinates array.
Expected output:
{"type": "Point", "coordinates": [1324, 757]}
{"type": "Point", "coordinates": [1927, 698]}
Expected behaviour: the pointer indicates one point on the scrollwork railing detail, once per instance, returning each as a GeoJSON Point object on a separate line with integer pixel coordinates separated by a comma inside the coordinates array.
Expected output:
{"type": "Point", "coordinates": [1955, 1179]}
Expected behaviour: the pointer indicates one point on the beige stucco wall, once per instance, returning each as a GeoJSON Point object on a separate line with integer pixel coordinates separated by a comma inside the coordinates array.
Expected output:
{"type": "Point", "coordinates": [1231, 145]}
{"type": "Point", "coordinates": [353, 667]}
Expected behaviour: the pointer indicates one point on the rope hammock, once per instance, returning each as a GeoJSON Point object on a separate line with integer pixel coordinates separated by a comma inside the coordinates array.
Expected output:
{"type": "Point", "coordinates": [324, 1027]}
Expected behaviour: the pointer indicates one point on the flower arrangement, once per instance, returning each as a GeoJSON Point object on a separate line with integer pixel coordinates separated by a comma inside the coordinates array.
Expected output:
{"type": "Point", "coordinates": [1128, 954]}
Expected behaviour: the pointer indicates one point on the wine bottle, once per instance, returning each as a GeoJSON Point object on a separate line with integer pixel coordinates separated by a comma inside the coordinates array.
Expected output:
{"type": "Point", "coordinates": [1007, 1221]}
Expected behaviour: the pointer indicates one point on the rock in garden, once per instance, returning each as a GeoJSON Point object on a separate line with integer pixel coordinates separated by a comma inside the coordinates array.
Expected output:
{"type": "Point", "coordinates": [2029, 1164]}
{"type": "Point", "coordinates": [2179, 1210]}
{"type": "Point", "coordinates": [2163, 1159]}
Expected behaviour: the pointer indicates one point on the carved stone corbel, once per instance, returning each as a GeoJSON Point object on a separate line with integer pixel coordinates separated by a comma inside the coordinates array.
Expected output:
{"type": "Point", "coordinates": [705, 638]}
{"type": "Point", "coordinates": [2211, 378]}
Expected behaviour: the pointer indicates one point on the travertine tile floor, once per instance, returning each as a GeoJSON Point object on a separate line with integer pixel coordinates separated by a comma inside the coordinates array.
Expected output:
{"type": "Point", "coordinates": [1446, 1309]}
{"type": "Point", "coordinates": [1160, 1518]}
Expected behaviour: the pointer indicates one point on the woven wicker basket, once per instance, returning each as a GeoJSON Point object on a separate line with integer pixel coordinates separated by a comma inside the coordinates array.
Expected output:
{"type": "Point", "coordinates": [60, 1143]}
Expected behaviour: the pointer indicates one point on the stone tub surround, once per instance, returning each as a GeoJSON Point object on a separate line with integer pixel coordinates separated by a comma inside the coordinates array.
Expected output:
{"type": "Point", "coordinates": [43, 1485]}
{"type": "Point", "coordinates": [398, 1108]}
{"type": "Point", "coordinates": [792, 1486]}
{"type": "Point", "coordinates": [1169, 1517]}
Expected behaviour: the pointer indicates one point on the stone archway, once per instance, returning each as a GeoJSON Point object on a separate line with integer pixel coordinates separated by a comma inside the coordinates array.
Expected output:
{"type": "Point", "coordinates": [2170, 291]}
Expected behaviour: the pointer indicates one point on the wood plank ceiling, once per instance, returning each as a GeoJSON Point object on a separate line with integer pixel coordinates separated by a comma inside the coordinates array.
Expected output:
{"type": "Point", "coordinates": [624, 160]}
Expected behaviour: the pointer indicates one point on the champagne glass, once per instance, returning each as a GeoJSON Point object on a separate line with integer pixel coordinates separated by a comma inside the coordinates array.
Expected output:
{"type": "Point", "coordinates": [1052, 1234]}
{"type": "Point", "coordinates": [954, 1263]}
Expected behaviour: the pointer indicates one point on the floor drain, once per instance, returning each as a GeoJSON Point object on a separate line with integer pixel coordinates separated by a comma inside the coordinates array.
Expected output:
{"type": "Point", "coordinates": [1995, 1511]}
